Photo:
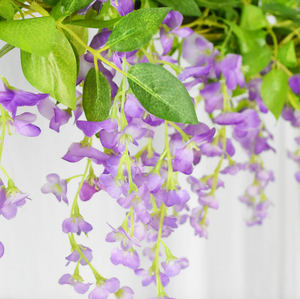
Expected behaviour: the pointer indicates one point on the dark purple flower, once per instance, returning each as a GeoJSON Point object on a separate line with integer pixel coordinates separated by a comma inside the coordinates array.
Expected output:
{"type": "Point", "coordinates": [76, 225]}
{"type": "Point", "coordinates": [89, 188]}
{"type": "Point", "coordinates": [76, 281]}
{"type": "Point", "coordinates": [173, 20]}
{"type": "Point", "coordinates": [56, 186]}
{"type": "Point", "coordinates": [10, 99]}
{"type": "Point", "coordinates": [294, 83]}
{"type": "Point", "coordinates": [123, 7]}
{"type": "Point", "coordinates": [90, 128]}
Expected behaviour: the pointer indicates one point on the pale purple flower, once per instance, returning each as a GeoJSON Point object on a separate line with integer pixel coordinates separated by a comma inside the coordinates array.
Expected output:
{"type": "Point", "coordinates": [254, 87]}
{"type": "Point", "coordinates": [23, 125]}
{"type": "Point", "coordinates": [56, 186]}
{"type": "Point", "coordinates": [76, 282]}
{"type": "Point", "coordinates": [128, 258]}
{"type": "Point", "coordinates": [120, 235]}
{"type": "Point", "coordinates": [101, 291]}
{"type": "Point", "coordinates": [1, 250]}
{"type": "Point", "coordinates": [196, 222]}
{"type": "Point", "coordinates": [76, 225]}
{"type": "Point", "coordinates": [148, 279]}
{"type": "Point", "coordinates": [233, 169]}
{"type": "Point", "coordinates": [124, 293]}
{"type": "Point", "coordinates": [208, 200]}
{"type": "Point", "coordinates": [10, 200]}
{"type": "Point", "coordinates": [174, 266]}
{"type": "Point", "coordinates": [297, 176]}
{"type": "Point", "coordinates": [213, 97]}
{"type": "Point", "coordinates": [75, 256]}
{"type": "Point", "coordinates": [57, 116]}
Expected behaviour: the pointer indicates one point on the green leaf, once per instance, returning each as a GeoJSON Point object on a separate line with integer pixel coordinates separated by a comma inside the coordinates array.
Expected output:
{"type": "Point", "coordinates": [5, 49]}
{"type": "Point", "coordinates": [218, 4]}
{"type": "Point", "coordinates": [293, 100]}
{"type": "Point", "coordinates": [287, 55]}
{"type": "Point", "coordinates": [253, 18]}
{"type": "Point", "coordinates": [161, 93]}
{"type": "Point", "coordinates": [96, 96]}
{"type": "Point", "coordinates": [56, 74]}
{"type": "Point", "coordinates": [70, 6]}
{"type": "Point", "coordinates": [136, 29]}
{"type": "Point", "coordinates": [274, 90]}
{"type": "Point", "coordinates": [57, 12]}
{"type": "Point", "coordinates": [186, 7]}
{"type": "Point", "coordinates": [7, 11]}
{"type": "Point", "coordinates": [282, 11]}
{"type": "Point", "coordinates": [51, 2]}
{"type": "Point", "coordinates": [82, 33]}
{"type": "Point", "coordinates": [94, 23]}
{"type": "Point", "coordinates": [257, 60]}
{"type": "Point", "coordinates": [31, 35]}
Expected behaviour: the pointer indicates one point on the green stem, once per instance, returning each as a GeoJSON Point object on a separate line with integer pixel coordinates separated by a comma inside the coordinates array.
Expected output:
{"type": "Point", "coordinates": [275, 42]}
{"type": "Point", "coordinates": [73, 242]}
{"type": "Point", "coordinates": [73, 177]}
{"type": "Point", "coordinates": [5, 49]}
{"type": "Point", "coordinates": [5, 172]}
{"type": "Point", "coordinates": [75, 202]}
{"type": "Point", "coordinates": [159, 287]}
{"type": "Point", "coordinates": [185, 137]}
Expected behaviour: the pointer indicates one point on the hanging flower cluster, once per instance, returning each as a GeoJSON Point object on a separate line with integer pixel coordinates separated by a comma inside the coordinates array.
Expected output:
{"type": "Point", "coordinates": [237, 67]}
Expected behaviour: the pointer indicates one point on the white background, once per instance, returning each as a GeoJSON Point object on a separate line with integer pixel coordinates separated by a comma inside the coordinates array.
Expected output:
{"type": "Point", "coordinates": [236, 262]}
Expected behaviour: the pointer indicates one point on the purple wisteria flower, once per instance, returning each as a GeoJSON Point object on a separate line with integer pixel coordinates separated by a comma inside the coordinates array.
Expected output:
{"type": "Point", "coordinates": [174, 266]}
{"type": "Point", "coordinates": [56, 186]}
{"type": "Point", "coordinates": [57, 116]}
{"type": "Point", "coordinates": [230, 67]}
{"type": "Point", "coordinates": [89, 188]}
{"type": "Point", "coordinates": [123, 7]}
{"type": "Point", "coordinates": [147, 278]}
{"type": "Point", "coordinates": [120, 235]}
{"type": "Point", "coordinates": [75, 256]}
{"type": "Point", "coordinates": [254, 87]}
{"type": "Point", "coordinates": [76, 224]}
{"type": "Point", "coordinates": [128, 258]}
{"type": "Point", "coordinates": [78, 151]}
{"type": "Point", "coordinates": [294, 83]}
{"type": "Point", "coordinates": [11, 99]}
{"type": "Point", "coordinates": [173, 20]}
{"type": "Point", "coordinates": [124, 293]}
{"type": "Point", "coordinates": [23, 125]}
{"type": "Point", "coordinates": [76, 282]}
{"type": "Point", "coordinates": [102, 290]}
{"type": "Point", "coordinates": [1, 250]}
{"type": "Point", "coordinates": [10, 199]}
